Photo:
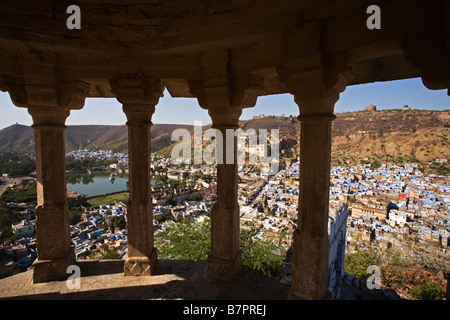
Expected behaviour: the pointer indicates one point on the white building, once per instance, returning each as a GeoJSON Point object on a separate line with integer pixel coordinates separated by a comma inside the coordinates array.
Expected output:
{"type": "Point", "coordinates": [24, 229]}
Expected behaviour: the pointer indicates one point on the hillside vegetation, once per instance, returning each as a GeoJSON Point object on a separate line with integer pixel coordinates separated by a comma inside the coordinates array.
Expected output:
{"type": "Point", "coordinates": [400, 135]}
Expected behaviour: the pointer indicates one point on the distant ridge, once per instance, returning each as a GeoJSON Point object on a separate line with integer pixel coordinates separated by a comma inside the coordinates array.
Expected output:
{"type": "Point", "coordinates": [20, 138]}
{"type": "Point", "coordinates": [399, 134]}
{"type": "Point", "coordinates": [393, 135]}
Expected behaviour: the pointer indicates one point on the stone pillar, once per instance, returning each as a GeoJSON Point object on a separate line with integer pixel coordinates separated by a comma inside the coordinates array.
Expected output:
{"type": "Point", "coordinates": [139, 98]}
{"type": "Point", "coordinates": [142, 257]}
{"type": "Point", "coordinates": [316, 80]}
{"type": "Point", "coordinates": [224, 94]}
{"type": "Point", "coordinates": [225, 260]}
{"type": "Point", "coordinates": [49, 100]}
{"type": "Point", "coordinates": [54, 250]}
{"type": "Point", "coordinates": [311, 244]}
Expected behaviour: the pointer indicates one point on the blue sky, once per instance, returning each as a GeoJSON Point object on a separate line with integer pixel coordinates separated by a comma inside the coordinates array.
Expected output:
{"type": "Point", "coordinates": [384, 95]}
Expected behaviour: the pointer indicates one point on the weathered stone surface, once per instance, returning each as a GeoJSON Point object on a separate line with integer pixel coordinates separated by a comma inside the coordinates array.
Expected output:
{"type": "Point", "coordinates": [54, 250]}
{"type": "Point", "coordinates": [226, 54]}
{"type": "Point", "coordinates": [172, 280]}
{"type": "Point", "coordinates": [311, 244]}
{"type": "Point", "coordinates": [141, 266]}
{"type": "Point", "coordinates": [53, 268]}
{"type": "Point", "coordinates": [139, 95]}
{"type": "Point", "coordinates": [167, 40]}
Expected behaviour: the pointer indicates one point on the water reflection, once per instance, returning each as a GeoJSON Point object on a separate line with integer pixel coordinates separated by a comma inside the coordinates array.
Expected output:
{"type": "Point", "coordinates": [97, 183]}
{"type": "Point", "coordinates": [77, 178]}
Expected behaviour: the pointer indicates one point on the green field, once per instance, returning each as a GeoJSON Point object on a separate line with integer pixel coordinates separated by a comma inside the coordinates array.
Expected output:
{"type": "Point", "coordinates": [109, 199]}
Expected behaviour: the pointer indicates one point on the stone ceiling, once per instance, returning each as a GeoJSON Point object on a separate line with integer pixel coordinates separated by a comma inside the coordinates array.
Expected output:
{"type": "Point", "coordinates": [166, 39]}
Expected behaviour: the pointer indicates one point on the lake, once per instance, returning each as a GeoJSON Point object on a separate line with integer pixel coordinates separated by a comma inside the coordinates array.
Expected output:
{"type": "Point", "coordinates": [96, 183]}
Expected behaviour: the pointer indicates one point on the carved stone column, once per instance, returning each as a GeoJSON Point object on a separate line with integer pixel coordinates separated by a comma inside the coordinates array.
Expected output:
{"type": "Point", "coordinates": [54, 250]}
{"type": "Point", "coordinates": [49, 104]}
{"type": "Point", "coordinates": [315, 81]}
{"type": "Point", "coordinates": [139, 98]}
{"type": "Point", "coordinates": [224, 95]}
{"type": "Point", "coordinates": [311, 244]}
{"type": "Point", "coordinates": [225, 261]}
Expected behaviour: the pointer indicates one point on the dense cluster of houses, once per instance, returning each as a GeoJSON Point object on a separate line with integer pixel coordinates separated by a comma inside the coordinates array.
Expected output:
{"type": "Point", "coordinates": [21, 253]}
{"type": "Point", "coordinates": [386, 200]}
{"type": "Point", "coordinates": [393, 199]}
{"type": "Point", "coordinates": [95, 234]}
{"type": "Point", "coordinates": [120, 157]}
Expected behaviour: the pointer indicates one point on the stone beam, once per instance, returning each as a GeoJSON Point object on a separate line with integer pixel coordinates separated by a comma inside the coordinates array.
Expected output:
{"type": "Point", "coordinates": [139, 96]}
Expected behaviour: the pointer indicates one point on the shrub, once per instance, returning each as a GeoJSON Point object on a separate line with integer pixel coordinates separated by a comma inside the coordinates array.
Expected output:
{"type": "Point", "coordinates": [113, 254]}
{"type": "Point", "coordinates": [185, 240]}
{"type": "Point", "coordinates": [428, 291]}
{"type": "Point", "coordinates": [188, 240]}
{"type": "Point", "coordinates": [261, 255]}
{"type": "Point", "coordinates": [358, 262]}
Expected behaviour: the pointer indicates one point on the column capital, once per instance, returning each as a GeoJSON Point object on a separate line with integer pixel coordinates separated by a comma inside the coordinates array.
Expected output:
{"type": "Point", "coordinates": [317, 117]}
{"type": "Point", "coordinates": [226, 102]}
{"type": "Point", "coordinates": [430, 52]}
{"type": "Point", "coordinates": [139, 114]}
{"type": "Point", "coordinates": [317, 80]}
{"type": "Point", "coordinates": [40, 85]}
{"type": "Point", "coordinates": [49, 105]}
{"type": "Point", "coordinates": [47, 117]}
{"type": "Point", "coordinates": [138, 90]}
{"type": "Point", "coordinates": [139, 95]}
{"type": "Point", "coordinates": [223, 93]}
{"type": "Point", "coordinates": [226, 117]}
{"type": "Point", "coordinates": [65, 95]}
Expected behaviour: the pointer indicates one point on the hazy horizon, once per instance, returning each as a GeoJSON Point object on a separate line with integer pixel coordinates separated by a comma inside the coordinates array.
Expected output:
{"type": "Point", "coordinates": [185, 111]}
{"type": "Point", "coordinates": [206, 124]}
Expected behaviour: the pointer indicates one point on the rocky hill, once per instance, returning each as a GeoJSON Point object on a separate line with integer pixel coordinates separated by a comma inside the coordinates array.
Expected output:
{"type": "Point", "coordinates": [400, 135]}
{"type": "Point", "coordinates": [20, 138]}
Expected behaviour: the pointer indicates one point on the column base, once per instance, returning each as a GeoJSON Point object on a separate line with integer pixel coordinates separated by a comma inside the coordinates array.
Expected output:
{"type": "Point", "coordinates": [141, 266]}
{"type": "Point", "coordinates": [223, 269]}
{"type": "Point", "coordinates": [53, 269]}
{"type": "Point", "coordinates": [309, 268]}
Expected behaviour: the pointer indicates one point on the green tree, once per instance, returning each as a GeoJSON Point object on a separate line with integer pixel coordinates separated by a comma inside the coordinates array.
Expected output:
{"type": "Point", "coordinates": [260, 255]}
{"type": "Point", "coordinates": [27, 194]}
{"type": "Point", "coordinates": [74, 215]}
{"type": "Point", "coordinates": [116, 222]}
{"type": "Point", "coordinates": [16, 164]}
{"type": "Point", "coordinates": [195, 197]}
{"type": "Point", "coordinates": [375, 164]}
{"type": "Point", "coordinates": [189, 240]}
{"type": "Point", "coordinates": [185, 240]}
